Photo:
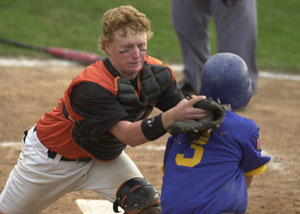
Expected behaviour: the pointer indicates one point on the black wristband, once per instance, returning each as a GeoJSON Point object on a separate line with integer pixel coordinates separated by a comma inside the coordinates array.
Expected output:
{"type": "Point", "coordinates": [153, 128]}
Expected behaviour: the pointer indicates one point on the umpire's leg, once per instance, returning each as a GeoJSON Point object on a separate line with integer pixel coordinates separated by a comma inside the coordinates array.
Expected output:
{"type": "Point", "coordinates": [190, 19]}
{"type": "Point", "coordinates": [237, 31]}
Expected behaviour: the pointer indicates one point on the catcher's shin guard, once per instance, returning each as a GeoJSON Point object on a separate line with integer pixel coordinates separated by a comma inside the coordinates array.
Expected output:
{"type": "Point", "coordinates": [137, 196]}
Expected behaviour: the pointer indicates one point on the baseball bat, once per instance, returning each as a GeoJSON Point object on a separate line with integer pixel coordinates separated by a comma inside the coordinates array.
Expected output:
{"type": "Point", "coordinates": [69, 54]}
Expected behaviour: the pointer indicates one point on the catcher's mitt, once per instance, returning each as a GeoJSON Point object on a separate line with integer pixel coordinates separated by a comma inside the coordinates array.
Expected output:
{"type": "Point", "coordinates": [209, 123]}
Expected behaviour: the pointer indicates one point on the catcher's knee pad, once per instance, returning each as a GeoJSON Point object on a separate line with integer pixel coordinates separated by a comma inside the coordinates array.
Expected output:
{"type": "Point", "coordinates": [137, 195]}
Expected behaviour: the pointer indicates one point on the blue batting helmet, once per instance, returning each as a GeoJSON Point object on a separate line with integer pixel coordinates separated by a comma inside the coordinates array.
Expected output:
{"type": "Point", "coordinates": [225, 79]}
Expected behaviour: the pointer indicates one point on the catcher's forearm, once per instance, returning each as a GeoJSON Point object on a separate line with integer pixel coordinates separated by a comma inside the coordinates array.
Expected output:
{"type": "Point", "coordinates": [153, 128]}
{"type": "Point", "coordinates": [129, 133]}
{"type": "Point", "coordinates": [168, 117]}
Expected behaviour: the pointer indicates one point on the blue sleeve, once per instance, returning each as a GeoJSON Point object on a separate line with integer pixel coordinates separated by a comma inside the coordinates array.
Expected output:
{"type": "Point", "coordinates": [252, 153]}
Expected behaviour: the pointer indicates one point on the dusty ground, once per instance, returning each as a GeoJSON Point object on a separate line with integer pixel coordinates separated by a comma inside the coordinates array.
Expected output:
{"type": "Point", "coordinates": [27, 92]}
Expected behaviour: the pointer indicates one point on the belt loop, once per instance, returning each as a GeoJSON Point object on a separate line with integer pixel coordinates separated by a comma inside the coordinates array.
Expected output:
{"type": "Point", "coordinates": [51, 154]}
{"type": "Point", "coordinates": [64, 109]}
{"type": "Point", "coordinates": [57, 158]}
{"type": "Point", "coordinates": [54, 156]}
{"type": "Point", "coordinates": [25, 135]}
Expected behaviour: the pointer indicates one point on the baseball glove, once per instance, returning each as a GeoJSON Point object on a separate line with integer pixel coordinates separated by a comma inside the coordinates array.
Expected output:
{"type": "Point", "coordinates": [209, 123]}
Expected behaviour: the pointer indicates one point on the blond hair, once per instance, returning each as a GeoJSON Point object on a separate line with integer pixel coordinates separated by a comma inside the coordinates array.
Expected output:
{"type": "Point", "coordinates": [125, 18]}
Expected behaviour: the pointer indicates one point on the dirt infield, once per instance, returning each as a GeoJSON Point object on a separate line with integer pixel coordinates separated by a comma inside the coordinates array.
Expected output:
{"type": "Point", "coordinates": [27, 92]}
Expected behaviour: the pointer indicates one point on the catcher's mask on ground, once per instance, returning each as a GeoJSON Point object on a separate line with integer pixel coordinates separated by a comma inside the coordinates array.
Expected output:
{"type": "Point", "coordinates": [138, 196]}
{"type": "Point", "coordinates": [225, 79]}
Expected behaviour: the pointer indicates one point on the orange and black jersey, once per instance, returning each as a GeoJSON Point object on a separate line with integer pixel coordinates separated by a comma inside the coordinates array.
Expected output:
{"type": "Point", "coordinates": [94, 97]}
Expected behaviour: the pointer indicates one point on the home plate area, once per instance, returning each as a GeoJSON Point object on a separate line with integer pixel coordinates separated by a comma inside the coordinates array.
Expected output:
{"type": "Point", "coordinates": [96, 206]}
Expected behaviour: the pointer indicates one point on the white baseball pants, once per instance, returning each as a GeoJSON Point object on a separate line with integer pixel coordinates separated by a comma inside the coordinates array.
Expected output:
{"type": "Point", "coordinates": [36, 181]}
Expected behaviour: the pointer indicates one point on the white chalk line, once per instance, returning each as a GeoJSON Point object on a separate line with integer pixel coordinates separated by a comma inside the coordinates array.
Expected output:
{"type": "Point", "coordinates": [34, 62]}
{"type": "Point", "coordinates": [270, 75]}
{"type": "Point", "coordinates": [10, 144]}
{"type": "Point", "coordinates": [263, 74]}
{"type": "Point", "coordinates": [177, 68]}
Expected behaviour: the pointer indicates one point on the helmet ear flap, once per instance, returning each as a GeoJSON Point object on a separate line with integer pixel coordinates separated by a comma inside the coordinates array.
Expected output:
{"type": "Point", "coordinates": [226, 80]}
{"type": "Point", "coordinates": [137, 195]}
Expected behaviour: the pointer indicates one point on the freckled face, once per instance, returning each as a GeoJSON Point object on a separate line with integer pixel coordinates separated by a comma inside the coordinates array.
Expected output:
{"type": "Point", "coordinates": [127, 54]}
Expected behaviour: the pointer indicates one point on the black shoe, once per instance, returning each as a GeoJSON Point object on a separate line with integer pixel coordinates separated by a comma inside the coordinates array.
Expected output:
{"type": "Point", "coordinates": [186, 89]}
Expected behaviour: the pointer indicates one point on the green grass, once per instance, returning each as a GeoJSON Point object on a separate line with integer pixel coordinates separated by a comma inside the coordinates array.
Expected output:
{"type": "Point", "coordinates": [279, 35]}
{"type": "Point", "coordinates": [75, 24]}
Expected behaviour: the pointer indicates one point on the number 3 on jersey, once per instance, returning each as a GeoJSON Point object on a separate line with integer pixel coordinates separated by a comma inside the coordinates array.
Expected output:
{"type": "Point", "coordinates": [197, 145]}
